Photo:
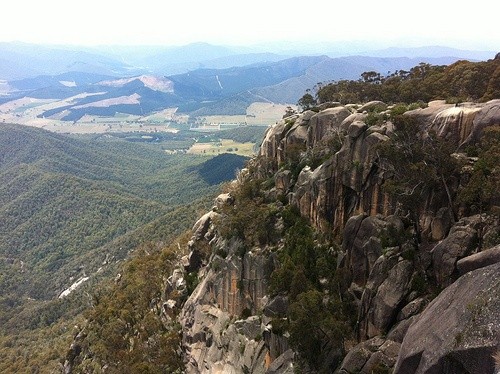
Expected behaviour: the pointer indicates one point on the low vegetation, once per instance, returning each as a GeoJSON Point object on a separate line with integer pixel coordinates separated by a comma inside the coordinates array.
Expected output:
{"type": "Point", "coordinates": [126, 330]}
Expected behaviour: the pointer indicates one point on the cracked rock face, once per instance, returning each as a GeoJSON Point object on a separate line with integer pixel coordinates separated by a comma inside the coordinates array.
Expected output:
{"type": "Point", "coordinates": [365, 357]}
{"type": "Point", "coordinates": [460, 329]}
{"type": "Point", "coordinates": [460, 242]}
{"type": "Point", "coordinates": [462, 124]}
{"type": "Point", "coordinates": [339, 186]}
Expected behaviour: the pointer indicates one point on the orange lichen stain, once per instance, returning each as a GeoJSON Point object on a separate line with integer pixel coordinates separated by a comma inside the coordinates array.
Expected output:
{"type": "Point", "coordinates": [267, 360]}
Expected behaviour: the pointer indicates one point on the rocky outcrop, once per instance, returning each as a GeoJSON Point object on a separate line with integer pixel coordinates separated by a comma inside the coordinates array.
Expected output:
{"type": "Point", "coordinates": [489, 115]}
{"type": "Point", "coordinates": [327, 165]}
{"type": "Point", "coordinates": [479, 260]}
{"type": "Point", "coordinates": [348, 183]}
{"type": "Point", "coordinates": [325, 124]}
{"type": "Point", "coordinates": [232, 287]}
{"type": "Point", "coordinates": [274, 134]}
{"type": "Point", "coordinates": [455, 124]}
{"type": "Point", "coordinates": [459, 331]}
{"type": "Point", "coordinates": [216, 343]}
{"type": "Point", "coordinates": [384, 294]}
{"type": "Point", "coordinates": [286, 138]}
{"type": "Point", "coordinates": [374, 105]}
{"type": "Point", "coordinates": [233, 284]}
{"type": "Point", "coordinates": [367, 357]}
{"type": "Point", "coordinates": [462, 241]}
{"type": "Point", "coordinates": [461, 124]}
{"type": "Point", "coordinates": [362, 246]}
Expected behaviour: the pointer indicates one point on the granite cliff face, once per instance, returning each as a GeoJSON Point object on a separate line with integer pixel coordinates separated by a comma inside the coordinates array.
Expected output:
{"type": "Point", "coordinates": [326, 164]}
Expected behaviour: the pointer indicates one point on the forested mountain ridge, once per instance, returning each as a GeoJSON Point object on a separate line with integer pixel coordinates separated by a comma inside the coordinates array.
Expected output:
{"type": "Point", "coordinates": [71, 210]}
{"type": "Point", "coordinates": [337, 249]}
{"type": "Point", "coordinates": [61, 196]}
{"type": "Point", "coordinates": [23, 60]}
{"type": "Point", "coordinates": [199, 92]}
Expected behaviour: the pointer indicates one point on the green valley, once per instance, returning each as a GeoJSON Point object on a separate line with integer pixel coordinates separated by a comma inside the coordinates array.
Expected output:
{"type": "Point", "coordinates": [73, 208]}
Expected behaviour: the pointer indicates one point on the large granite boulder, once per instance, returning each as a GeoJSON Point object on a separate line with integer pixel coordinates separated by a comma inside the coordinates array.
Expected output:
{"type": "Point", "coordinates": [369, 355]}
{"type": "Point", "coordinates": [425, 116]}
{"type": "Point", "coordinates": [455, 124]}
{"type": "Point", "coordinates": [479, 260]}
{"type": "Point", "coordinates": [272, 138]}
{"type": "Point", "coordinates": [351, 119]}
{"type": "Point", "coordinates": [387, 287]}
{"type": "Point", "coordinates": [461, 242]}
{"type": "Point", "coordinates": [325, 123]}
{"type": "Point", "coordinates": [362, 245]}
{"type": "Point", "coordinates": [461, 124]}
{"type": "Point", "coordinates": [374, 105]}
{"type": "Point", "coordinates": [489, 115]}
{"type": "Point", "coordinates": [459, 331]}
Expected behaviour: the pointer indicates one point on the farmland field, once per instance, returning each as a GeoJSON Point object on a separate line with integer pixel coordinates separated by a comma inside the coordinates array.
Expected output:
{"type": "Point", "coordinates": [224, 146]}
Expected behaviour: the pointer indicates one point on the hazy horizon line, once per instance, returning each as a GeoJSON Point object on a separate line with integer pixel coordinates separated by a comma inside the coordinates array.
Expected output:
{"type": "Point", "coordinates": [362, 45]}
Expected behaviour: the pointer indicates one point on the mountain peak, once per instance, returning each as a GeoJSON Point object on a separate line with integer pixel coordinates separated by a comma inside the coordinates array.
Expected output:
{"type": "Point", "coordinates": [155, 83]}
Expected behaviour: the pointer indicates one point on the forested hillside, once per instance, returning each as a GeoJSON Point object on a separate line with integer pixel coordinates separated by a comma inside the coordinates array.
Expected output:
{"type": "Point", "coordinates": [71, 209]}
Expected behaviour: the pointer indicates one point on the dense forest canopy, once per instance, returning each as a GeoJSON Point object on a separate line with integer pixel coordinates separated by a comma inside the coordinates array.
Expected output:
{"type": "Point", "coordinates": [71, 209]}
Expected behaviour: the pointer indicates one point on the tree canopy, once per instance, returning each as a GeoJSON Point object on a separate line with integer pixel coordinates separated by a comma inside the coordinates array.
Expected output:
{"type": "Point", "coordinates": [458, 82]}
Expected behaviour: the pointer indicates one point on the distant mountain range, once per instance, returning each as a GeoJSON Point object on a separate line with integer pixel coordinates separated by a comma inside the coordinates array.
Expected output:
{"type": "Point", "coordinates": [224, 80]}
{"type": "Point", "coordinates": [22, 60]}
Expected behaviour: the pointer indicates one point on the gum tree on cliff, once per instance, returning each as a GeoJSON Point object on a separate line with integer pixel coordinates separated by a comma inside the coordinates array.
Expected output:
{"type": "Point", "coordinates": [419, 163]}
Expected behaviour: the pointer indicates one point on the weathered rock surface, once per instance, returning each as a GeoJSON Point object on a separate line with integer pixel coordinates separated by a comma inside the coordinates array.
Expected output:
{"type": "Point", "coordinates": [462, 124]}
{"type": "Point", "coordinates": [283, 365]}
{"type": "Point", "coordinates": [488, 115]}
{"type": "Point", "coordinates": [367, 356]}
{"type": "Point", "coordinates": [479, 260]}
{"type": "Point", "coordinates": [461, 242]}
{"type": "Point", "coordinates": [347, 184]}
{"type": "Point", "coordinates": [325, 123]}
{"type": "Point", "coordinates": [373, 105]}
{"type": "Point", "coordinates": [425, 116]}
{"type": "Point", "coordinates": [350, 119]}
{"type": "Point", "coordinates": [362, 245]}
{"type": "Point", "coordinates": [272, 138]}
{"type": "Point", "coordinates": [459, 331]}
{"type": "Point", "coordinates": [455, 124]}
{"type": "Point", "coordinates": [350, 182]}
{"type": "Point", "coordinates": [383, 295]}
{"type": "Point", "coordinates": [214, 345]}
{"type": "Point", "coordinates": [233, 286]}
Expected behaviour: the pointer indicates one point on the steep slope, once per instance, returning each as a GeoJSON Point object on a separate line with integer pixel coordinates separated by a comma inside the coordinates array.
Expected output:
{"type": "Point", "coordinates": [393, 189]}
{"type": "Point", "coordinates": [68, 205]}
{"type": "Point", "coordinates": [300, 296]}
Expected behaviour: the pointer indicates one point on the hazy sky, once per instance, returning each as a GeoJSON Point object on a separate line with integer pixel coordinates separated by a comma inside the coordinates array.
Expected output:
{"type": "Point", "coordinates": [91, 22]}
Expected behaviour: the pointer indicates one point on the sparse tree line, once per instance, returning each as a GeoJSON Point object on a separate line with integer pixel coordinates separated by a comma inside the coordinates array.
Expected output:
{"type": "Point", "coordinates": [458, 82]}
